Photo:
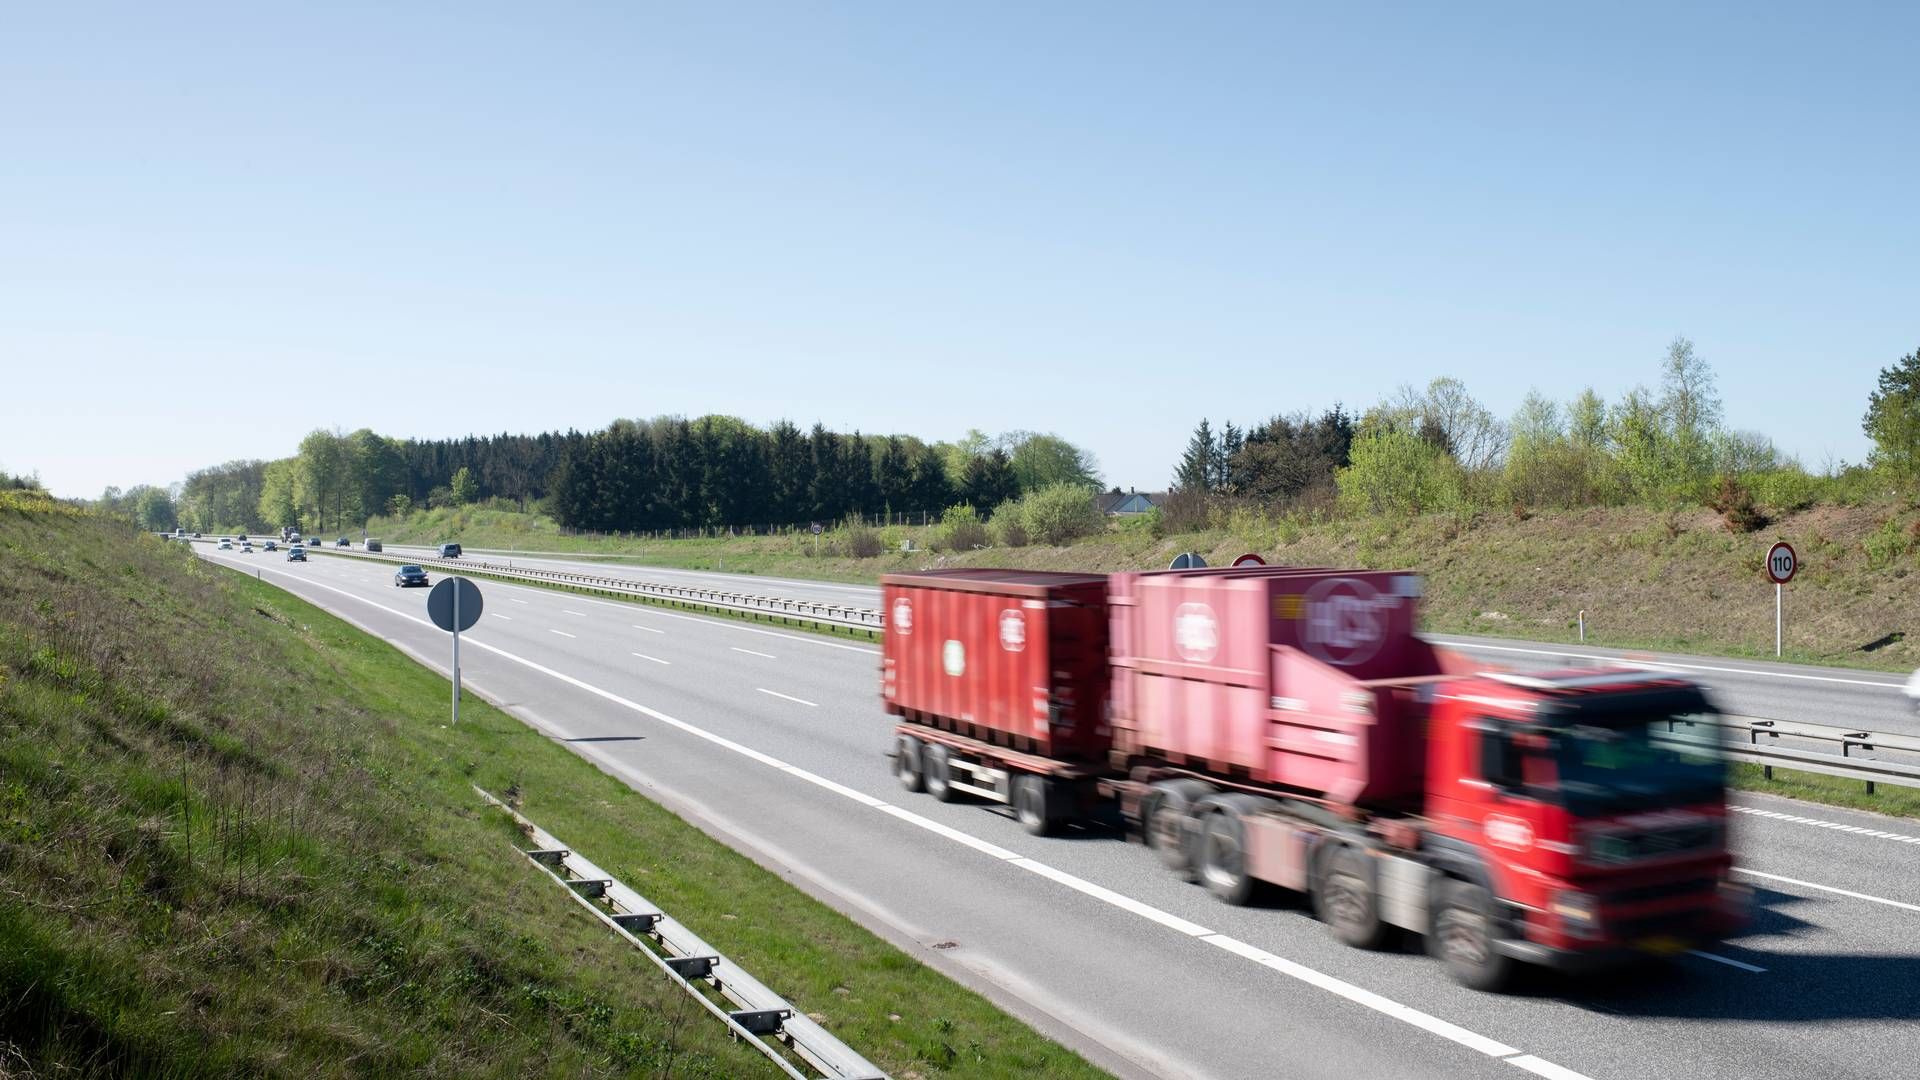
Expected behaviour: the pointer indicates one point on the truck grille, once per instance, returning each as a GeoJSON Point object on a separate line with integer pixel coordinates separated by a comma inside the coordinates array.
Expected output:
{"type": "Point", "coordinates": [1624, 847]}
{"type": "Point", "coordinates": [1657, 891]}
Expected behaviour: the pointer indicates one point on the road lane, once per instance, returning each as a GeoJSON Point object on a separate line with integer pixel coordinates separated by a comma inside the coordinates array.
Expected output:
{"type": "Point", "coordinates": [1752, 1024]}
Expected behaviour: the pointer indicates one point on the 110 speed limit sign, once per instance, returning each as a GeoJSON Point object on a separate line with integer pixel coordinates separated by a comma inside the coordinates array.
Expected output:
{"type": "Point", "coordinates": [1781, 563]}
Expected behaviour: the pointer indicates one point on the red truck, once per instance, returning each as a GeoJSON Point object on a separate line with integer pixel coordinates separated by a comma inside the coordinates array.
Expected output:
{"type": "Point", "coordinates": [1286, 725]}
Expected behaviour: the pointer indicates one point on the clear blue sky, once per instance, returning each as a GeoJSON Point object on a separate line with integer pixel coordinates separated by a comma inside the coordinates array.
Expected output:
{"type": "Point", "coordinates": [221, 227]}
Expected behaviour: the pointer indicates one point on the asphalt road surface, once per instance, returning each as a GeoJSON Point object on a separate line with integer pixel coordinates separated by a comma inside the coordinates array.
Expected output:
{"type": "Point", "coordinates": [1838, 696]}
{"type": "Point", "coordinates": [775, 742]}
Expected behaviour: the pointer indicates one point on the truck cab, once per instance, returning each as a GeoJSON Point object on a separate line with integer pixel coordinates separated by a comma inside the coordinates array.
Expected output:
{"type": "Point", "coordinates": [1585, 813]}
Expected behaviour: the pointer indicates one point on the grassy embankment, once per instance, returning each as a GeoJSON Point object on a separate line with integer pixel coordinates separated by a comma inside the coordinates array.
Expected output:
{"type": "Point", "coordinates": [237, 838]}
{"type": "Point", "coordinates": [1647, 579]}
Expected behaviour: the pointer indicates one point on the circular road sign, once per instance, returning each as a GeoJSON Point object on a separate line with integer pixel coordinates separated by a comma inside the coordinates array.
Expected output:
{"type": "Point", "coordinates": [1250, 559]}
{"type": "Point", "coordinates": [1187, 560]}
{"type": "Point", "coordinates": [440, 603]}
{"type": "Point", "coordinates": [1781, 563]}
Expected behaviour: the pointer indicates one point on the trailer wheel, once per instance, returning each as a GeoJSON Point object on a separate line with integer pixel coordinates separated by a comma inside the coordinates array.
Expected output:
{"type": "Point", "coordinates": [1038, 802]}
{"type": "Point", "coordinates": [937, 773]}
{"type": "Point", "coordinates": [1223, 858]}
{"type": "Point", "coordinates": [907, 764]}
{"type": "Point", "coordinates": [1164, 817]}
{"type": "Point", "coordinates": [1346, 903]}
{"type": "Point", "coordinates": [1463, 937]}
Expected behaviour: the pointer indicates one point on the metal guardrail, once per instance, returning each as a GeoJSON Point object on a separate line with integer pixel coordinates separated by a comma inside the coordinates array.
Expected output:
{"type": "Point", "coordinates": [1742, 734]}
{"type": "Point", "coordinates": [759, 1015]}
{"type": "Point", "coordinates": [838, 616]}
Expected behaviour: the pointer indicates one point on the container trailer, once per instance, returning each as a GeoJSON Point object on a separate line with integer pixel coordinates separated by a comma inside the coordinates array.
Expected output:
{"type": "Point", "coordinates": [1285, 726]}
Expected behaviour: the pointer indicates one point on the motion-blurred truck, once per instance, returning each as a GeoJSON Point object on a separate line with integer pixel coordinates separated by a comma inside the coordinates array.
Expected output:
{"type": "Point", "coordinates": [1287, 726]}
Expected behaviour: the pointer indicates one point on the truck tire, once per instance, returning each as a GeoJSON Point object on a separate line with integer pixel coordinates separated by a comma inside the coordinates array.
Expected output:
{"type": "Point", "coordinates": [1039, 803]}
{"type": "Point", "coordinates": [1345, 901]}
{"type": "Point", "coordinates": [1165, 819]}
{"type": "Point", "coordinates": [937, 773]}
{"type": "Point", "coordinates": [907, 763]}
{"type": "Point", "coordinates": [1223, 858]}
{"type": "Point", "coordinates": [1463, 935]}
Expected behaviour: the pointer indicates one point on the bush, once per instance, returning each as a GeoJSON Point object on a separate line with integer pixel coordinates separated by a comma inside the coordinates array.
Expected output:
{"type": "Point", "coordinates": [1398, 472]}
{"type": "Point", "coordinates": [858, 539]}
{"type": "Point", "coordinates": [1182, 512]}
{"type": "Point", "coordinates": [1734, 503]}
{"type": "Point", "coordinates": [960, 530]}
{"type": "Point", "coordinates": [1008, 525]}
{"type": "Point", "coordinates": [1058, 513]}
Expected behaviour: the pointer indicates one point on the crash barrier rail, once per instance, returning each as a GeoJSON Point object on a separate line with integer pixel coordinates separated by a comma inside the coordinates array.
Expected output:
{"type": "Point", "coordinates": [1746, 738]}
{"type": "Point", "coordinates": [833, 616]}
{"type": "Point", "coordinates": [758, 1015]}
{"type": "Point", "coordinates": [1742, 740]}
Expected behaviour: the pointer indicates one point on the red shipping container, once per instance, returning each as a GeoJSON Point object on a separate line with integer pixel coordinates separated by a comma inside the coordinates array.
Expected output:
{"type": "Point", "coordinates": [1291, 677]}
{"type": "Point", "coordinates": [1015, 658]}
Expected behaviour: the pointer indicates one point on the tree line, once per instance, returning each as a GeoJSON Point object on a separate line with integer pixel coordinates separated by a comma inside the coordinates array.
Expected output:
{"type": "Point", "coordinates": [663, 473]}
{"type": "Point", "coordinates": [1438, 448]}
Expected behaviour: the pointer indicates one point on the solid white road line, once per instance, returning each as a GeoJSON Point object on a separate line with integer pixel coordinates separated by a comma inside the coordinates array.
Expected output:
{"type": "Point", "coordinates": [789, 697]}
{"type": "Point", "coordinates": [750, 652]}
{"type": "Point", "coordinates": [1857, 830]}
{"type": "Point", "coordinates": [1730, 962]}
{"type": "Point", "coordinates": [1313, 977]}
{"type": "Point", "coordinates": [1829, 888]}
{"type": "Point", "coordinates": [562, 633]}
{"type": "Point", "coordinates": [1474, 646]}
{"type": "Point", "coordinates": [655, 659]}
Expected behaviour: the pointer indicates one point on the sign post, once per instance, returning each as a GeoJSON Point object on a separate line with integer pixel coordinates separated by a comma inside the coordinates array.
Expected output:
{"type": "Point", "coordinates": [1781, 565]}
{"type": "Point", "coordinates": [454, 605]}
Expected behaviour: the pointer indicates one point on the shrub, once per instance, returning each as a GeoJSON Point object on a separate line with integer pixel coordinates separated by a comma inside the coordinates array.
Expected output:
{"type": "Point", "coordinates": [1398, 472]}
{"type": "Point", "coordinates": [1734, 503]}
{"type": "Point", "coordinates": [1887, 543]}
{"type": "Point", "coordinates": [1008, 525]}
{"type": "Point", "coordinates": [1058, 513]}
{"type": "Point", "coordinates": [960, 530]}
{"type": "Point", "coordinates": [1182, 512]}
{"type": "Point", "coordinates": [858, 539]}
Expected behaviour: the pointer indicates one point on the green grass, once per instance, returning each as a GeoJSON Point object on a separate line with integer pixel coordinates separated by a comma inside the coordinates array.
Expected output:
{"type": "Point", "coordinates": [238, 838]}
{"type": "Point", "coordinates": [1658, 580]}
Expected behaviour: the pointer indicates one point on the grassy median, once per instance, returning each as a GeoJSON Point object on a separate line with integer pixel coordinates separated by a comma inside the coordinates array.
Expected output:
{"type": "Point", "coordinates": [236, 838]}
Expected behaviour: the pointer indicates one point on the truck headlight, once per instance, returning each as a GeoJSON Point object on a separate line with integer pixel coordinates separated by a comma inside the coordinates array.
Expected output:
{"type": "Point", "coordinates": [1578, 912]}
{"type": "Point", "coordinates": [1734, 897]}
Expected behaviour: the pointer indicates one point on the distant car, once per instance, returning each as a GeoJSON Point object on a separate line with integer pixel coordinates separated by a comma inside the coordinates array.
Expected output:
{"type": "Point", "coordinates": [374, 545]}
{"type": "Point", "coordinates": [196, 536]}
{"type": "Point", "coordinates": [226, 544]}
{"type": "Point", "coordinates": [408, 576]}
{"type": "Point", "coordinates": [296, 553]}
{"type": "Point", "coordinates": [246, 548]}
{"type": "Point", "coordinates": [449, 551]}
{"type": "Point", "coordinates": [294, 539]}
{"type": "Point", "coordinates": [242, 538]}
{"type": "Point", "coordinates": [343, 542]}
{"type": "Point", "coordinates": [270, 546]}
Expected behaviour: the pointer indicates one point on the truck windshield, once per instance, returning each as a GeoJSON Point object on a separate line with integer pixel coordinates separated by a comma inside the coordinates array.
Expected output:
{"type": "Point", "coordinates": [1637, 764]}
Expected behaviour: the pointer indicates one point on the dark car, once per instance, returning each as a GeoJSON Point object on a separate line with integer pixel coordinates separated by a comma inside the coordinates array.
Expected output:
{"type": "Point", "coordinates": [296, 553]}
{"type": "Point", "coordinates": [408, 576]}
{"type": "Point", "coordinates": [242, 538]}
{"type": "Point", "coordinates": [343, 542]}
{"type": "Point", "coordinates": [449, 551]}
{"type": "Point", "coordinates": [269, 546]}
{"type": "Point", "coordinates": [374, 545]}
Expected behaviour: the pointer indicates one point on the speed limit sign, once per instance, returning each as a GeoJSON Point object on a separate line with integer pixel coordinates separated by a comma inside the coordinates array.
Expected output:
{"type": "Point", "coordinates": [1781, 563]}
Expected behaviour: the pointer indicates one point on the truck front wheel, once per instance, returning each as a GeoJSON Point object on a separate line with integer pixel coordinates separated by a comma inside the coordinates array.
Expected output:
{"type": "Point", "coordinates": [1164, 819]}
{"type": "Point", "coordinates": [1463, 937]}
{"type": "Point", "coordinates": [1346, 901]}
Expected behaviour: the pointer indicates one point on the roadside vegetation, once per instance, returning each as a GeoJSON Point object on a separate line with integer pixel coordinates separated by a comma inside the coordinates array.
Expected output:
{"type": "Point", "coordinates": [238, 838]}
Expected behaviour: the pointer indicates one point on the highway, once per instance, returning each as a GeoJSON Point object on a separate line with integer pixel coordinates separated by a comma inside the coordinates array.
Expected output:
{"type": "Point", "coordinates": [775, 743]}
{"type": "Point", "coordinates": [1838, 696]}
